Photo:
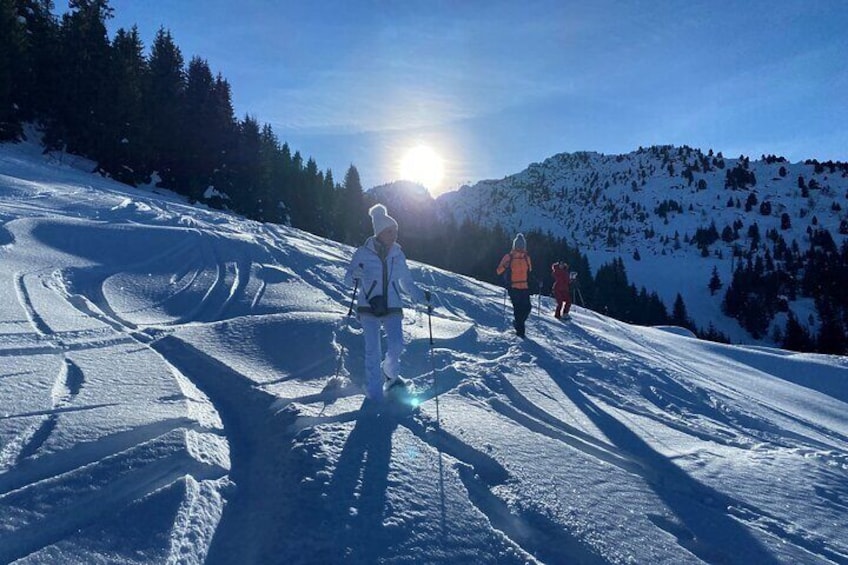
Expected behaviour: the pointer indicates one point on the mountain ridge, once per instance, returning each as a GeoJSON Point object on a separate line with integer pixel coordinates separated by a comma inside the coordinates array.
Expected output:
{"type": "Point", "coordinates": [663, 209]}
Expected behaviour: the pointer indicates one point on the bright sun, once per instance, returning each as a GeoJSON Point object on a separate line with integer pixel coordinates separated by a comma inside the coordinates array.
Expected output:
{"type": "Point", "coordinates": [423, 165]}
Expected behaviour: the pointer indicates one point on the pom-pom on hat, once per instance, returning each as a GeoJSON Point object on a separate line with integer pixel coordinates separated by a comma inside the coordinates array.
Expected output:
{"type": "Point", "coordinates": [380, 219]}
{"type": "Point", "coordinates": [519, 242]}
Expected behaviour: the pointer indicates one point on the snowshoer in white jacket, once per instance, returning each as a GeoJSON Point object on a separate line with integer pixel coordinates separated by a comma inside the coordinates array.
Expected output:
{"type": "Point", "coordinates": [381, 269]}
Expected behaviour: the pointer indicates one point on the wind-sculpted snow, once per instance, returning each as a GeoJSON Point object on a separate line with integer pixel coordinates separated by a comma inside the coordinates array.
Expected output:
{"type": "Point", "coordinates": [181, 385]}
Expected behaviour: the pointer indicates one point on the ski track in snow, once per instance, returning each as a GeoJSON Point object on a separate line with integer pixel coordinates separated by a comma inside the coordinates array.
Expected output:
{"type": "Point", "coordinates": [262, 476]}
{"type": "Point", "coordinates": [254, 469]}
{"type": "Point", "coordinates": [65, 389]}
{"type": "Point", "coordinates": [130, 477]}
{"type": "Point", "coordinates": [26, 301]}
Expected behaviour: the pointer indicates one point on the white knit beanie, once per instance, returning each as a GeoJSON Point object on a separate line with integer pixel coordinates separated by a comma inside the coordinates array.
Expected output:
{"type": "Point", "coordinates": [519, 242]}
{"type": "Point", "coordinates": [380, 219]}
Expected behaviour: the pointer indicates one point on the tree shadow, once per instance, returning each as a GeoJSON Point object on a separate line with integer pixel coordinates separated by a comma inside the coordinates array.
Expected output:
{"type": "Point", "coordinates": [706, 527]}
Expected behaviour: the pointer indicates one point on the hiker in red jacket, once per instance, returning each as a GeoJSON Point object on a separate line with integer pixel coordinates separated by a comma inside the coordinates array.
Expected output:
{"type": "Point", "coordinates": [562, 289]}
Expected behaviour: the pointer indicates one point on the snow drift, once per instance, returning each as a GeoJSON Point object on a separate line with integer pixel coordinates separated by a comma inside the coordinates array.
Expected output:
{"type": "Point", "coordinates": [182, 385]}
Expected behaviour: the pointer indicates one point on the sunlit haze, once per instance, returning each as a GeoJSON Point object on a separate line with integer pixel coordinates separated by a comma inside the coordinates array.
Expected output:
{"type": "Point", "coordinates": [423, 165]}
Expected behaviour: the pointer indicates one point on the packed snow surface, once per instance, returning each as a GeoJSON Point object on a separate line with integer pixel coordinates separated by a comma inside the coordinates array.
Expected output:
{"type": "Point", "coordinates": [182, 385]}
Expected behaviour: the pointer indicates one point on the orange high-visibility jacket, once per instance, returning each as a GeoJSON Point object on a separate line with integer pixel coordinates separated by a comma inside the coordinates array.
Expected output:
{"type": "Point", "coordinates": [519, 265]}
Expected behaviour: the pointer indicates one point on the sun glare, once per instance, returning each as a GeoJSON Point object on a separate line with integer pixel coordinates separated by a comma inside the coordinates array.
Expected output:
{"type": "Point", "coordinates": [423, 165]}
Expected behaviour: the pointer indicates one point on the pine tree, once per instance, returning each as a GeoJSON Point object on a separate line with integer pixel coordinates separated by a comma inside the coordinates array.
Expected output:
{"type": "Point", "coordinates": [613, 290]}
{"type": "Point", "coordinates": [200, 155]}
{"type": "Point", "coordinates": [84, 60]}
{"type": "Point", "coordinates": [329, 195]}
{"type": "Point", "coordinates": [351, 210]}
{"type": "Point", "coordinates": [679, 315]}
{"type": "Point", "coordinates": [309, 196]}
{"type": "Point", "coordinates": [245, 165]}
{"type": "Point", "coordinates": [715, 282]}
{"type": "Point", "coordinates": [165, 93]}
{"type": "Point", "coordinates": [750, 202]}
{"type": "Point", "coordinates": [795, 337]}
{"type": "Point", "coordinates": [38, 83]}
{"type": "Point", "coordinates": [296, 187]}
{"type": "Point", "coordinates": [222, 133]}
{"type": "Point", "coordinates": [831, 337]}
{"type": "Point", "coordinates": [754, 235]}
{"type": "Point", "coordinates": [12, 71]}
{"type": "Point", "coordinates": [213, 153]}
{"type": "Point", "coordinates": [273, 207]}
{"type": "Point", "coordinates": [124, 149]}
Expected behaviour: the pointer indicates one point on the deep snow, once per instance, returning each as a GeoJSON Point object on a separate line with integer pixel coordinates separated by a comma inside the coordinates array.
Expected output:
{"type": "Point", "coordinates": [182, 385]}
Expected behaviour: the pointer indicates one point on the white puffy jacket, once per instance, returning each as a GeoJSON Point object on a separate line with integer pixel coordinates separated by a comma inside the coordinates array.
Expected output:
{"type": "Point", "coordinates": [381, 277]}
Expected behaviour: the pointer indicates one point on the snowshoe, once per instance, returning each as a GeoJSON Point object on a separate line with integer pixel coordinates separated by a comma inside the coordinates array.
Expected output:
{"type": "Point", "coordinates": [393, 382]}
{"type": "Point", "coordinates": [403, 395]}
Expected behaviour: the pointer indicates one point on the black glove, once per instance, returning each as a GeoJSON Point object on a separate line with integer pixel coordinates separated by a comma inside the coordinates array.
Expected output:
{"type": "Point", "coordinates": [428, 296]}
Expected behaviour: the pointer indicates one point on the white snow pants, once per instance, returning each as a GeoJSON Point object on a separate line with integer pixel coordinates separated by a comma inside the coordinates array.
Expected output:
{"type": "Point", "coordinates": [374, 369]}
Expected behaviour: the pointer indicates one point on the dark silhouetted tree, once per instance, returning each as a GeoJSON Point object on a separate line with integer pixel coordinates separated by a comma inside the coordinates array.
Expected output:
{"type": "Point", "coordinates": [795, 337]}
{"type": "Point", "coordinates": [679, 315]}
{"type": "Point", "coordinates": [715, 282]}
{"type": "Point", "coordinates": [351, 210]}
{"type": "Point", "coordinates": [13, 56]}
{"type": "Point", "coordinates": [165, 95]}
{"type": "Point", "coordinates": [124, 150]}
{"type": "Point", "coordinates": [83, 56]}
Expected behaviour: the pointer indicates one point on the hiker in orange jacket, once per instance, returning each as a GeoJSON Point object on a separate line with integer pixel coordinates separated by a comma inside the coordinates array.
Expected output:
{"type": "Point", "coordinates": [562, 289]}
{"type": "Point", "coordinates": [516, 267]}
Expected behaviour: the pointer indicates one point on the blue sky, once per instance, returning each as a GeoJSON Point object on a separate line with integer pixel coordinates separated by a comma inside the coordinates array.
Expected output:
{"type": "Point", "coordinates": [495, 86]}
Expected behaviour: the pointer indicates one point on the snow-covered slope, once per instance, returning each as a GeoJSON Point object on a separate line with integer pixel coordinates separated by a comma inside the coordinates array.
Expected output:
{"type": "Point", "coordinates": [181, 385]}
{"type": "Point", "coordinates": [645, 206]}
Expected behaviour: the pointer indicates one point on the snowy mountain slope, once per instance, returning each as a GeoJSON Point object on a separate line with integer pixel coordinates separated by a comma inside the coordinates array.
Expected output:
{"type": "Point", "coordinates": [652, 201]}
{"type": "Point", "coordinates": [181, 385]}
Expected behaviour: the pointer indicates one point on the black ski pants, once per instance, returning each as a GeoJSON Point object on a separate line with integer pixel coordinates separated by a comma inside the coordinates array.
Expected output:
{"type": "Point", "coordinates": [520, 298]}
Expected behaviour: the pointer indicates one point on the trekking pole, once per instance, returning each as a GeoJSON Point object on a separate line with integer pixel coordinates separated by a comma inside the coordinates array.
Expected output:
{"type": "Point", "coordinates": [539, 301]}
{"type": "Point", "coordinates": [432, 359]}
{"type": "Point", "coordinates": [580, 294]}
{"type": "Point", "coordinates": [353, 298]}
{"type": "Point", "coordinates": [429, 317]}
{"type": "Point", "coordinates": [504, 310]}
{"type": "Point", "coordinates": [349, 312]}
